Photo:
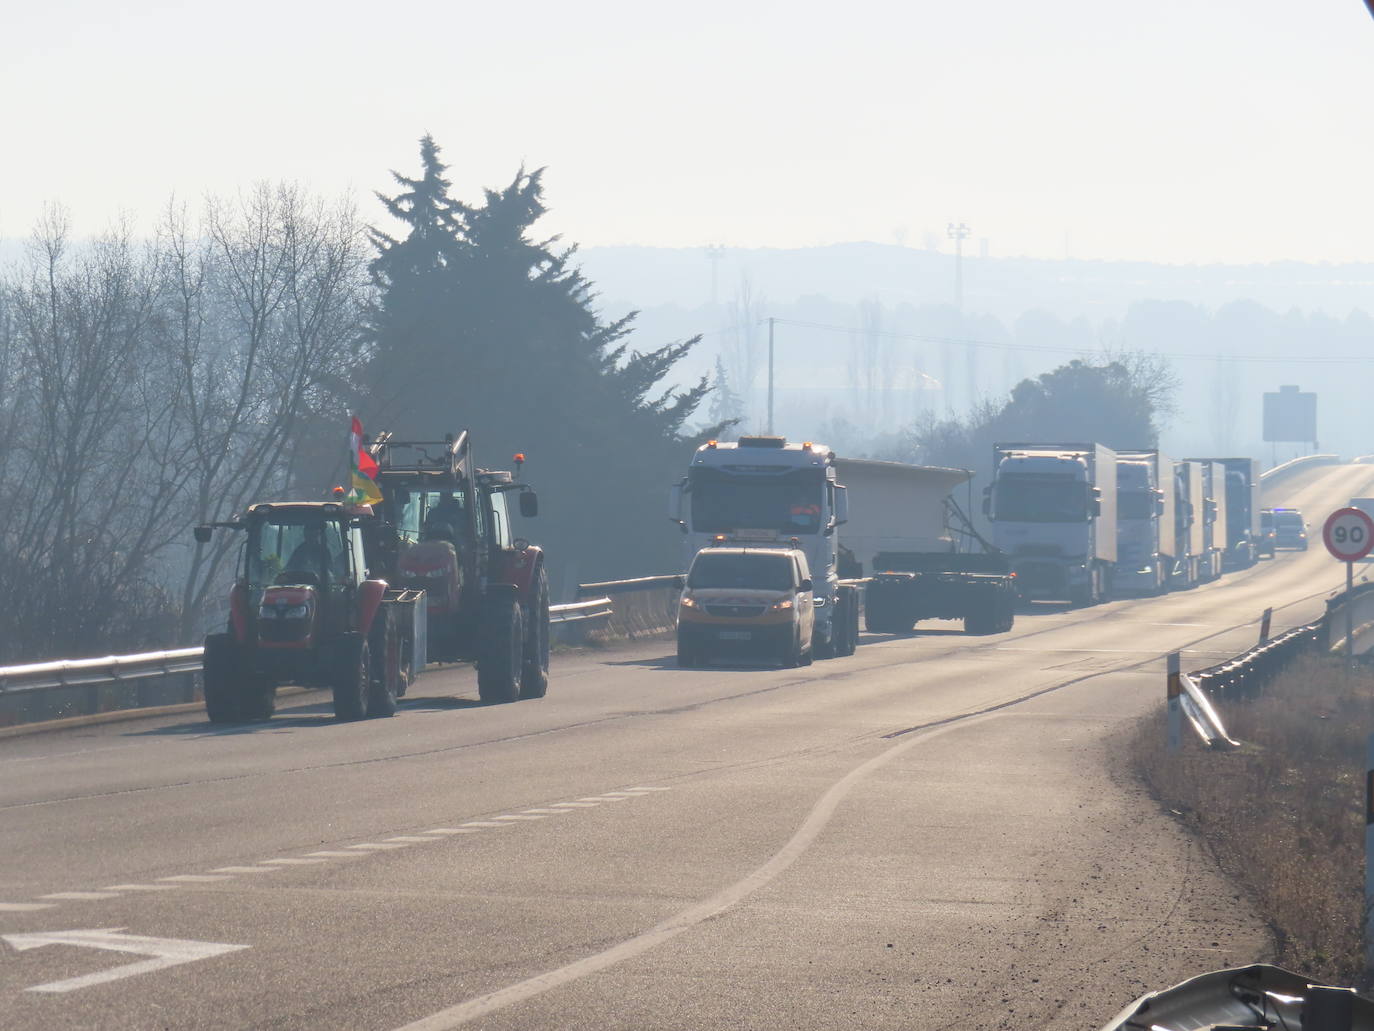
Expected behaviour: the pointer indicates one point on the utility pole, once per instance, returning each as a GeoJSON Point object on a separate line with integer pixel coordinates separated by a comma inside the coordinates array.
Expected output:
{"type": "Point", "coordinates": [771, 320]}
{"type": "Point", "coordinates": [714, 252]}
{"type": "Point", "coordinates": [958, 233]}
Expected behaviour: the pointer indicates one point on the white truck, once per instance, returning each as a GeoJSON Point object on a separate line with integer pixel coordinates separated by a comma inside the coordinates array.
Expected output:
{"type": "Point", "coordinates": [761, 491]}
{"type": "Point", "coordinates": [1146, 508]}
{"type": "Point", "coordinates": [899, 539]}
{"type": "Point", "coordinates": [1053, 512]}
{"type": "Point", "coordinates": [1189, 543]}
{"type": "Point", "coordinates": [1207, 481]}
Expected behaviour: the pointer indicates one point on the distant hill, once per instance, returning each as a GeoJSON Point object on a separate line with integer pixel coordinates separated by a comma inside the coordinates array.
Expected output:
{"type": "Point", "coordinates": [643, 277]}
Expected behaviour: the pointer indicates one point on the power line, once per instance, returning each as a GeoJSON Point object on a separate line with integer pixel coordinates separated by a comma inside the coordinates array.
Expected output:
{"type": "Point", "coordinates": [922, 338]}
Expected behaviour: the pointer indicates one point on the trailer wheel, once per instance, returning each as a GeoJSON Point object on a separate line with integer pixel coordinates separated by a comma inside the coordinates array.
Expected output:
{"type": "Point", "coordinates": [220, 672]}
{"type": "Point", "coordinates": [534, 681]}
{"type": "Point", "coordinates": [501, 663]}
{"type": "Point", "coordinates": [386, 674]}
{"type": "Point", "coordinates": [352, 678]}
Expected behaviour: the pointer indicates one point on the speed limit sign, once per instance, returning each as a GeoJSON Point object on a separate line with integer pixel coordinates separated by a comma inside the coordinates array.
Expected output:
{"type": "Point", "coordinates": [1348, 534]}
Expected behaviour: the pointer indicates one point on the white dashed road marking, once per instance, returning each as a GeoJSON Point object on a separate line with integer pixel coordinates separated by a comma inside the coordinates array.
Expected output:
{"type": "Point", "coordinates": [225, 873]}
{"type": "Point", "coordinates": [197, 878]}
{"type": "Point", "coordinates": [80, 896]}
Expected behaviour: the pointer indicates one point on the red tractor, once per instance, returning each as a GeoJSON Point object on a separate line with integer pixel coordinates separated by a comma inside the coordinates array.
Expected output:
{"type": "Point", "coordinates": [445, 527]}
{"type": "Point", "coordinates": [309, 607]}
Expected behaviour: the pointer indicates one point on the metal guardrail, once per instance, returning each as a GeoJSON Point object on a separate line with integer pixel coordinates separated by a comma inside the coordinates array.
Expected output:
{"type": "Point", "coordinates": [114, 669]}
{"type": "Point", "coordinates": [1253, 669]}
{"type": "Point", "coordinates": [580, 611]}
{"type": "Point", "coordinates": [643, 583]}
{"type": "Point", "coordinates": [111, 669]}
{"type": "Point", "coordinates": [1294, 465]}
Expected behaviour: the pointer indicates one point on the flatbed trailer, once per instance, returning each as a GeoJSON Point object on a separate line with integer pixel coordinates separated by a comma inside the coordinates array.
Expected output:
{"type": "Point", "coordinates": [978, 589]}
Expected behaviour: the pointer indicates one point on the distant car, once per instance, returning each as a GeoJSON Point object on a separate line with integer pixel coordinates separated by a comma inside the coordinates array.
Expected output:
{"type": "Point", "coordinates": [749, 601]}
{"type": "Point", "coordinates": [1268, 536]}
{"type": "Point", "coordinates": [1289, 529]}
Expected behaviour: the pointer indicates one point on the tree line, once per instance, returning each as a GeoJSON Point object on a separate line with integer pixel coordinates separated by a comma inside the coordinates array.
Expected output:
{"type": "Point", "coordinates": [147, 385]}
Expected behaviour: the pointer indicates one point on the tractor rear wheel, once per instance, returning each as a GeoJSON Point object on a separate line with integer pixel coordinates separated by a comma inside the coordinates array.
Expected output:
{"type": "Point", "coordinates": [221, 671]}
{"type": "Point", "coordinates": [534, 681]}
{"type": "Point", "coordinates": [501, 663]}
{"type": "Point", "coordinates": [352, 678]}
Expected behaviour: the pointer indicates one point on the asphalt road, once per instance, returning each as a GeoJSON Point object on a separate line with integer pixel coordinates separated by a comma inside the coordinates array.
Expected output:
{"type": "Point", "coordinates": [940, 831]}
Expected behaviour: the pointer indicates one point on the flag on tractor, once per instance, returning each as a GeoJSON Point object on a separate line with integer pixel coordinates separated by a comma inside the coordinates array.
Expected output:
{"type": "Point", "coordinates": [364, 489]}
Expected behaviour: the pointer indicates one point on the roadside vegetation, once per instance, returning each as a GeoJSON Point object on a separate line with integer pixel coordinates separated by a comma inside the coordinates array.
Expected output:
{"type": "Point", "coordinates": [1285, 813]}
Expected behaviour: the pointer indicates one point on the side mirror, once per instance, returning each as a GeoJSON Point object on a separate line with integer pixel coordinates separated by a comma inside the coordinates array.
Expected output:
{"type": "Point", "coordinates": [675, 502]}
{"type": "Point", "coordinates": [202, 534]}
{"type": "Point", "coordinates": [841, 505]}
{"type": "Point", "coordinates": [529, 504]}
{"type": "Point", "coordinates": [806, 585]}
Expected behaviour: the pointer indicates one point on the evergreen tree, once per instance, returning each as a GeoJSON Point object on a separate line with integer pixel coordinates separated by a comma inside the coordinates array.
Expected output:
{"type": "Point", "coordinates": [479, 324]}
{"type": "Point", "coordinates": [727, 408]}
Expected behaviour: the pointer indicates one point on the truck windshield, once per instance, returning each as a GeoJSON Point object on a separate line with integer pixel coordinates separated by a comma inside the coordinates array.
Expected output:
{"type": "Point", "coordinates": [791, 503]}
{"type": "Point", "coordinates": [1028, 499]}
{"type": "Point", "coordinates": [1135, 504]}
{"type": "Point", "coordinates": [747, 572]}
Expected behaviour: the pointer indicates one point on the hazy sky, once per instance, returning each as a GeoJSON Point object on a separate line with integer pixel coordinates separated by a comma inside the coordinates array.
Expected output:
{"type": "Point", "coordinates": [1175, 130]}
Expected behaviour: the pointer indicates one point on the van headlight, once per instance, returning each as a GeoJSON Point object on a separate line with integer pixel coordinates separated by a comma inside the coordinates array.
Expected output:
{"type": "Point", "coordinates": [782, 605]}
{"type": "Point", "coordinates": [687, 603]}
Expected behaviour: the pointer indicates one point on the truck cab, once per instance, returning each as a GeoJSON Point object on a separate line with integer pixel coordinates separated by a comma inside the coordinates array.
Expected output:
{"type": "Point", "coordinates": [770, 492]}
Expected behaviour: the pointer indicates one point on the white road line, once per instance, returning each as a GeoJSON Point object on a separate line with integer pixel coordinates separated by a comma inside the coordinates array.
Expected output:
{"type": "Point", "coordinates": [197, 878]}
{"type": "Point", "coordinates": [454, 830]}
{"type": "Point", "coordinates": [648, 789]}
{"type": "Point", "coordinates": [293, 862]}
{"type": "Point", "coordinates": [25, 907]}
{"type": "Point", "coordinates": [547, 812]}
{"type": "Point", "coordinates": [607, 798]}
{"type": "Point", "coordinates": [337, 855]}
{"type": "Point", "coordinates": [519, 816]}
{"type": "Point", "coordinates": [375, 846]}
{"type": "Point", "coordinates": [576, 805]}
{"type": "Point", "coordinates": [244, 869]}
{"type": "Point", "coordinates": [411, 839]}
{"type": "Point", "coordinates": [81, 896]}
{"type": "Point", "coordinates": [810, 829]}
{"type": "Point", "coordinates": [484, 823]}
{"type": "Point", "coordinates": [140, 887]}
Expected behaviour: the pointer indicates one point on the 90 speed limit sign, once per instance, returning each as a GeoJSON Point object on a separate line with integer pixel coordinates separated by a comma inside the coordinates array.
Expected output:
{"type": "Point", "coordinates": [1348, 534]}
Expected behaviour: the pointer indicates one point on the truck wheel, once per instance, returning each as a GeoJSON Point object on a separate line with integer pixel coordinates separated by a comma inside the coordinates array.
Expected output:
{"type": "Point", "coordinates": [502, 660]}
{"type": "Point", "coordinates": [535, 677]}
{"type": "Point", "coordinates": [220, 672]}
{"type": "Point", "coordinates": [352, 678]}
{"type": "Point", "coordinates": [384, 686]}
{"type": "Point", "coordinates": [687, 656]}
{"type": "Point", "coordinates": [849, 610]}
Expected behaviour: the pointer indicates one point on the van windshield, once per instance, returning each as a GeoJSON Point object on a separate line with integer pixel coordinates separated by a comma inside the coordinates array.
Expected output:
{"type": "Point", "coordinates": [745, 572]}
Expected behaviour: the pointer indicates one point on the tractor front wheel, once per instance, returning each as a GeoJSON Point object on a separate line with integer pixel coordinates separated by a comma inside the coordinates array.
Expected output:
{"type": "Point", "coordinates": [221, 671]}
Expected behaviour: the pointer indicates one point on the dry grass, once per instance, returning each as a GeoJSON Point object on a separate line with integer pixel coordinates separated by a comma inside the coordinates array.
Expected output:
{"type": "Point", "coordinates": [1285, 813]}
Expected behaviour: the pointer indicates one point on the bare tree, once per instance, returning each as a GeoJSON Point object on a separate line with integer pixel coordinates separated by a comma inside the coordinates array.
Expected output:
{"type": "Point", "coordinates": [264, 307]}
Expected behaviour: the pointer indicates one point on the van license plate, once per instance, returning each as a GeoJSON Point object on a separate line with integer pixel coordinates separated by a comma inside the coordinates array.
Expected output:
{"type": "Point", "coordinates": [735, 635]}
